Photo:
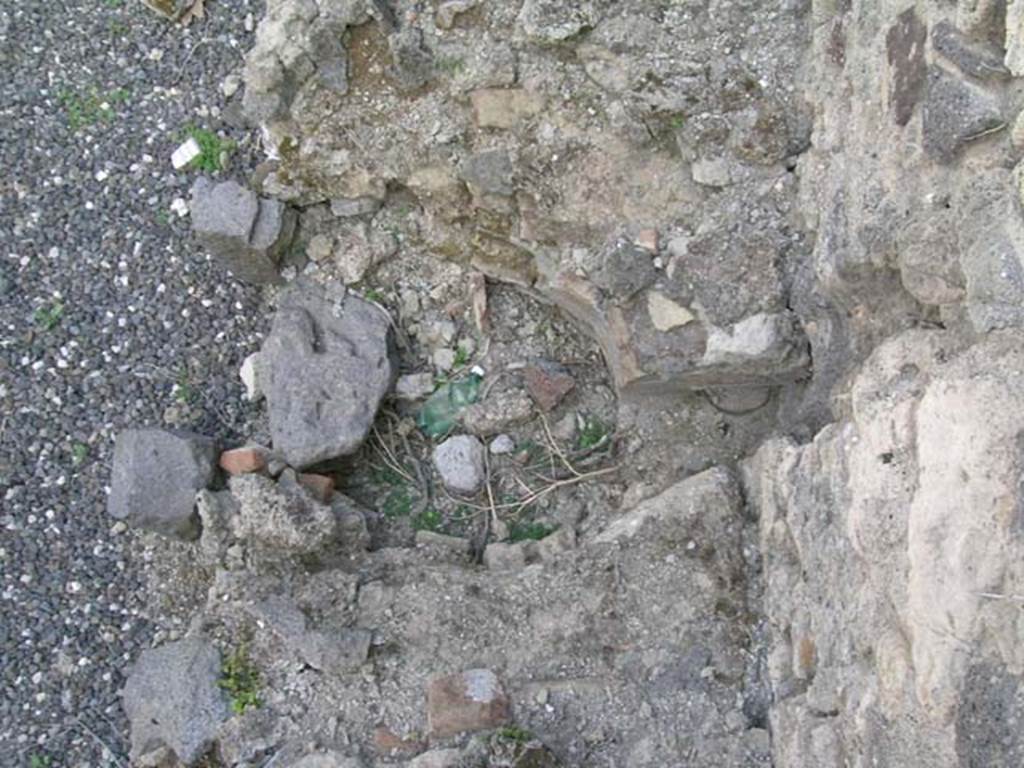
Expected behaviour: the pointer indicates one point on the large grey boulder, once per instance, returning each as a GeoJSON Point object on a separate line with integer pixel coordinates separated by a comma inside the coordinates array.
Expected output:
{"type": "Point", "coordinates": [244, 232]}
{"type": "Point", "coordinates": [172, 700]}
{"type": "Point", "coordinates": [156, 476]}
{"type": "Point", "coordinates": [327, 363]}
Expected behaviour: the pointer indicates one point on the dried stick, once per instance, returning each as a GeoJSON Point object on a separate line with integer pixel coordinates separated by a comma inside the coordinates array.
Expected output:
{"type": "Point", "coordinates": [555, 448]}
{"type": "Point", "coordinates": [389, 457]}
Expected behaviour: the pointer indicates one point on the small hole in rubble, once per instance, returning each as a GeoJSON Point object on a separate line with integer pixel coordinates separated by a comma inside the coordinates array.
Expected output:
{"type": "Point", "coordinates": [532, 489]}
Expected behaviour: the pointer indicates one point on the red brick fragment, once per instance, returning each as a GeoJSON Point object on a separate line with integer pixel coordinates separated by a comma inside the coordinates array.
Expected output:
{"type": "Point", "coordinates": [320, 487]}
{"type": "Point", "coordinates": [244, 461]}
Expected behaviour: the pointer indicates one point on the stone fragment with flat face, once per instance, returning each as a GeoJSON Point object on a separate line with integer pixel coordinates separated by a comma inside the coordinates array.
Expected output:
{"type": "Point", "coordinates": [548, 383]}
{"type": "Point", "coordinates": [469, 701]}
{"type": "Point", "coordinates": [328, 362]}
{"type": "Point", "coordinates": [954, 114]}
{"type": "Point", "coordinates": [245, 233]}
{"type": "Point", "coordinates": [172, 700]}
{"type": "Point", "coordinates": [156, 476]}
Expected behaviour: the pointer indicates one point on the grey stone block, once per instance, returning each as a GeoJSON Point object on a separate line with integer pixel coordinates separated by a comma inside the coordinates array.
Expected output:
{"type": "Point", "coordinates": [156, 476]}
{"type": "Point", "coordinates": [328, 362]}
{"type": "Point", "coordinates": [172, 700]}
{"type": "Point", "coordinates": [245, 233]}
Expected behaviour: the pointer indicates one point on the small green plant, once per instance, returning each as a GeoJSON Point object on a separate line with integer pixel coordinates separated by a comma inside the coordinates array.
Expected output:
{"type": "Point", "coordinates": [529, 531]}
{"type": "Point", "coordinates": [183, 391]}
{"type": "Point", "coordinates": [38, 761]}
{"type": "Point", "coordinates": [427, 520]}
{"type": "Point", "coordinates": [398, 503]}
{"type": "Point", "coordinates": [677, 122]}
{"type": "Point", "coordinates": [85, 109]}
{"type": "Point", "coordinates": [118, 29]}
{"type": "Point", "coordinates": [593, 432]}
{"type": "Point", "coordinates": [372, 294]}
{"type": "Point", "coordinates": [451, 65]}
{"type": "Point", "coordinates": [515, 733]}
{"type": "Point", "coordinates": [79, 453]}
{"type": "Point", "coordinates": [213, 150]}
{"type": "Point", "coordinates": [400, 498]}
{"type": "Point", "coordinates": [461, 357]}
{"type": "Point", "coordinates": [49, 317]}
{"type": "Point", "coordinates": [240, 678]}
{"type": "Point", "coordinates": [387, 476]}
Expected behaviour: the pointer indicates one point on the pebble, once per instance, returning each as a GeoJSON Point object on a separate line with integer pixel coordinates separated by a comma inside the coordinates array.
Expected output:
{"type": "Point", "coordinates": [229, 85]}
{"type": "Point", "coordinates": [502, 445]}
{"type": "Point", "coordinates": [185, 154]}
{"type": "Point", "coordinates": [460, 462]}
{"type": "Point", "coordinates": [414, 386]}
{"type": "Point", "coordinates": [444, 359]}
{"type": "Point", "coordinates": [180, 207]}
{"type": "Point", "coordinates": [548, 383]}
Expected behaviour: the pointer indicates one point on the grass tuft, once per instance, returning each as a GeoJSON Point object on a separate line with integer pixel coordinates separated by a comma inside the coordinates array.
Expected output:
{"type": "Point", "coordinates": [91, 107]}
{"type": "Point", "coordinates": [529, 531]}
{"type": "Point", "coordinates": [213, 150]}
{"type": "Point", "coordinates": [183, 390]}
{"type": "Point", "coordinates": [49, 317]}
{"type": "Point", "coordinates": [593, 432]}
{"type": "Point", "coordinates": [515, 733]}
{"type": "Point", "coordinates": [79, 453]}
{"type": "Point", "coordinates": [428, 520]}
{"type": "Point", "coordinates": [240, 678]}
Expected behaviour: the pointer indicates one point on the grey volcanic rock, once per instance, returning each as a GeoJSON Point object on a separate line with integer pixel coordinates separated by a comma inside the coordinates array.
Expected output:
{"type": "Point", "coordinates": [955, 113]}
{"type": "Point", "coordinates": [762, 347]}
{"type": "Point", "coordinates": [297, 43]}
{"type": "Point", "coordinates": [336, 650]}
{"type": "Point", "coordinates": [328, 363]}
{"type": "Point", "coordinates": [550, 21]}
{"type": "Point", "coordinates": [244, 232]}
{"type": "Point", "coordinates": [460, 462]}
{"type": "Point", "coordinates": [280, 518]}
{"type": "Point", "coordinates": [975, 59]}
{"type": "Point", "coordinates": [172, 699]}
{"type": "Point", "coordinates": [156, 476]}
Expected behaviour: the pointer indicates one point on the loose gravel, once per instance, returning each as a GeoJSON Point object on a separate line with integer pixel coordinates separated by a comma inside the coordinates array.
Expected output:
{"type": "Point", "coordinates": [110, 316]}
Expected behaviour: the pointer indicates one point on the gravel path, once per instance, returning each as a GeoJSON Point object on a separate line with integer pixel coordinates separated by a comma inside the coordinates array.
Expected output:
{"type": "Point", "coordinates": [109, 316]}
